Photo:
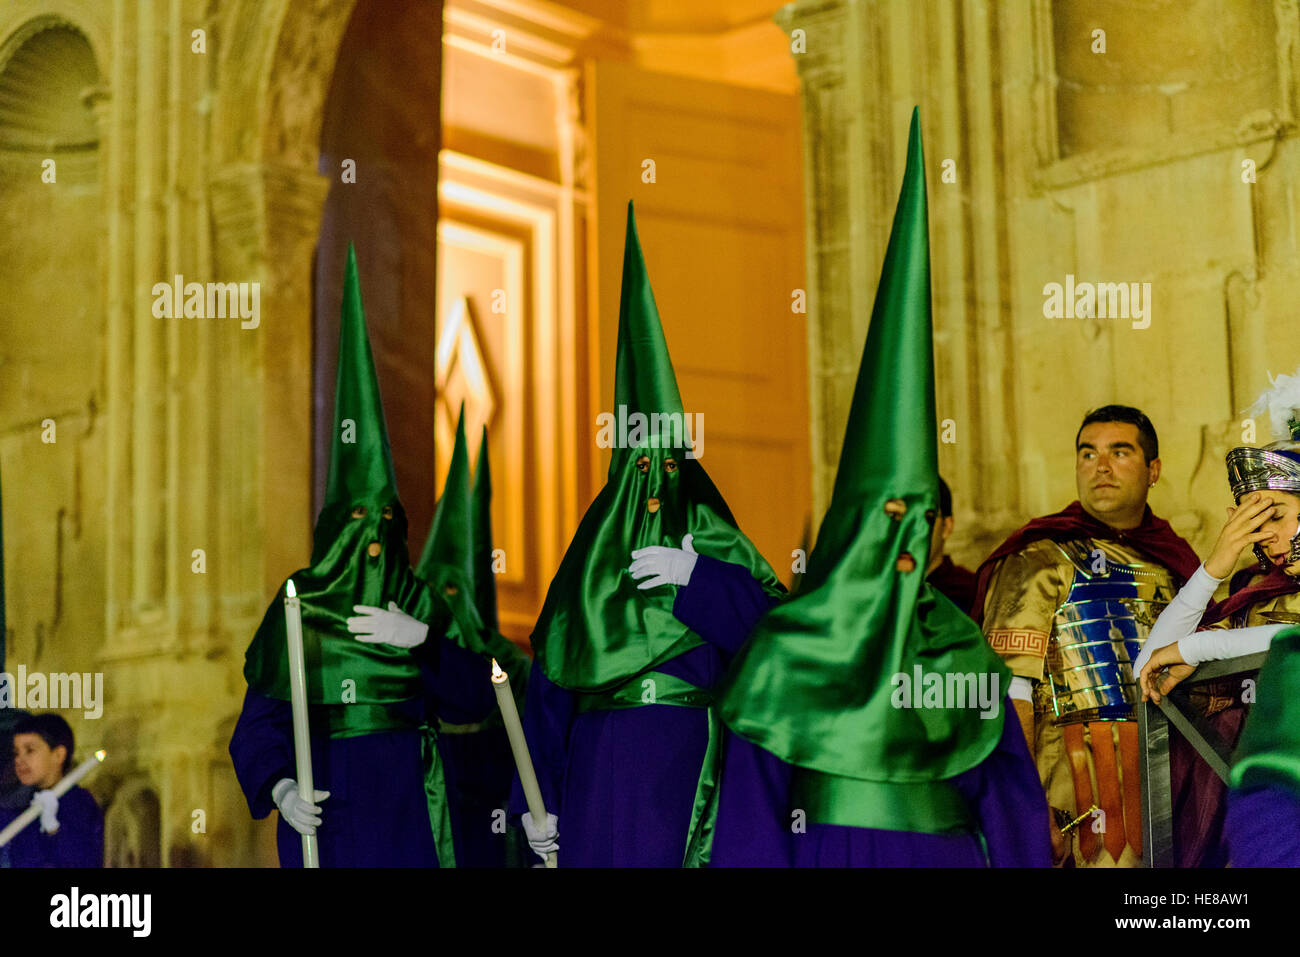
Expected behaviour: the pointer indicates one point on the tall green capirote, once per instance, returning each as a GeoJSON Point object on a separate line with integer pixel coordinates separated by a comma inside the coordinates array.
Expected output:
{"type": "Point", "coordinates": [825, 680]}
{"type": "Point", "coordinates": [361, 515]}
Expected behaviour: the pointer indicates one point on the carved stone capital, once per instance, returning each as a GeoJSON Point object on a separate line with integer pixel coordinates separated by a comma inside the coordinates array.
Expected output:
{"type": "Point", "coordinates": [267, 217]}
{"type": "Point", "coordinates": [824, 24]}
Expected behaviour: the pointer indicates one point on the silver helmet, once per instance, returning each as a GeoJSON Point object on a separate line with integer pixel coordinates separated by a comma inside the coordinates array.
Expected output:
{"type": "Point", "coordinates": [1275, 467]}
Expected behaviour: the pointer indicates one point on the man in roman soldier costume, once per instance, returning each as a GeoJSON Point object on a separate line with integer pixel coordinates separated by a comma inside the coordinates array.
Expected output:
{"type": "Point", "coordinates": [1262, 600]}
{"type": "Point", "coordinates": [1067, 602]}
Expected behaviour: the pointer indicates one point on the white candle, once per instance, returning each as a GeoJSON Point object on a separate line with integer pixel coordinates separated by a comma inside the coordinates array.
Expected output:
{"type": "Point", "coordinates": [60, 789]}
{"type": "Point", "coordinates": [298, 699]}
{"type": "Point", "coordinates": [523, 760]}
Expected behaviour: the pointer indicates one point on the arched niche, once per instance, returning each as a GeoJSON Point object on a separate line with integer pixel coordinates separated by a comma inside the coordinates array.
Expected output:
{"type": "Point", "coordinates": [52, 324]}
{"type": "Point", "coordinates": [132, 827]}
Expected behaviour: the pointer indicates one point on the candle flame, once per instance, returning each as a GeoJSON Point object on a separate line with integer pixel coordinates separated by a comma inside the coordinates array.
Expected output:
{"type": "Point", "coordinates": [498, 676]}
{"type": "Point", "coordinates": [289, 589]}
{"type": "Point", "coordinates": [100, 755]}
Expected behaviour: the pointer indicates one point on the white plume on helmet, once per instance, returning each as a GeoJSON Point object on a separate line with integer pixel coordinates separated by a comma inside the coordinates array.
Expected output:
{"type": "Point", "coordinates": [1282, 403]}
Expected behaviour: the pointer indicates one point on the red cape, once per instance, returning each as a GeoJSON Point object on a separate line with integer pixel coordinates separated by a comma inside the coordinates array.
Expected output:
{"type": "Point", "coordinates": [1275, 583]}
{"type": "Point", "coordinates": [955, 582]}
{"type": "Point", "coordinates": [1154, 539]}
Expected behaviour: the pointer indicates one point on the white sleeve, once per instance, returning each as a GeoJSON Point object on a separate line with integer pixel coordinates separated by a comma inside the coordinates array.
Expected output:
{"type": "Point", "coordinates": [1219, 643]}
{"type": "Point", "coordinates": [1021, 689]}
{"type": "Point", "coordinates": [1181, 616]}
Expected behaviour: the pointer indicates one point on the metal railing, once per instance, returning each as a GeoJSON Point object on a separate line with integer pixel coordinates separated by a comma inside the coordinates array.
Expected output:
{"type": "Point", "coordinates": [1155, 722]}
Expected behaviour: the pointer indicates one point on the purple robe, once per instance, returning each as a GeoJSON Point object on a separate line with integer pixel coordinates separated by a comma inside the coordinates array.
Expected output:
{"type": "Point", "coordinates": [479, 768]}
{"type": "Point", "coordinates": [622, 782]}
{"type": "Point", "coordinates": [377, 814]}
{"type": "Point", "coordinates": [1003, 793]}
{"type": "Point", "coordinates": [1198, 794]}
{"type": "Point", "coordinates": [1263, 828]}
{"type": "Point", "coordinates": [753, 825]}
{"type": "Point", "coordinates": [79, 841]}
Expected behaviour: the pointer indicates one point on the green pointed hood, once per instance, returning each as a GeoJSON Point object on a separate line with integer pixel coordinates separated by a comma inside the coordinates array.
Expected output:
{"type": "Point", "coordinates": [815, 684]}
{"type": "Point", "coordinates": [447, 562]}
{"type": "Point", "coordinates": [361, 509]}
{"type": "Point", "coordinates": [596, 628]}
{"type": "Point", "coordinates": [361, 462]}
{"type": "Point", "coordinates": [484, 580]}
{"type": "Point", "coordinates": [450, 540]}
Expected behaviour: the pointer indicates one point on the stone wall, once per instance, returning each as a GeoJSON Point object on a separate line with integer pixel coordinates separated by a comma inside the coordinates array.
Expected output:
{"type": "Point", "coordinates": [1124, 156]}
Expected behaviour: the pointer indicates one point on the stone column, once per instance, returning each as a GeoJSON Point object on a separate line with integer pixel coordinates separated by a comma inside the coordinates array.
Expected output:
{"type": "Point", "coordinates": [835, 287]}
{"type": "Point", "coordinates": [266, 220]}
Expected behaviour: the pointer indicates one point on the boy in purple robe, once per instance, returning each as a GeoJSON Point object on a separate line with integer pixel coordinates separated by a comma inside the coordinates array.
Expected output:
{"type": "Point", "coordinates": [70, 832]}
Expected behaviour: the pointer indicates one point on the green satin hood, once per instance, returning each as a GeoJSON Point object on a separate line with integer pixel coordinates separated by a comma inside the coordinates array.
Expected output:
{"type": "Point", "coordinates": [456, 561]}
{"type": "Point", "coordinates": [597, 629]}
{"type": "Point", "coordinates": [341, 575]}
{"type": "Point", "coordinates": [815, 685]}
{"type": "Point", "coordinates": [361, 508]}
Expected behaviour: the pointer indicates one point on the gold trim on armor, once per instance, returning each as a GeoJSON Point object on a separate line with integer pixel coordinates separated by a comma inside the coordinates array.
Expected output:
{"type": "Point", "coordinates": [1018, 641]}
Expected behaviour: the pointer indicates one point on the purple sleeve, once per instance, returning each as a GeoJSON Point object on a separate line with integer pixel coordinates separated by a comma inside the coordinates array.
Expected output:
{"type": "Point", "coordinates": [1007, 799]}
{"type": "Point", "coordinates": [1263, 828]}
{"type": "Point", "coordinates": [548, 714]}
{"type": "Point", "coordinates": [462, 685]}
{"type": "Point", "coordinates": [722, 603]}
{"type": "Point", "coordinates": [753, 823]}
{"type": "Point", "coordinates": [79, 841]}
{"type": "Point", "coordinates": [262, 749]}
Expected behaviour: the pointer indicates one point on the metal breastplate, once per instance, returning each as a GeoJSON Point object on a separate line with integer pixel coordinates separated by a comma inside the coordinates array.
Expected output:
{"type": "Point", "coordinates": [1098, 633]}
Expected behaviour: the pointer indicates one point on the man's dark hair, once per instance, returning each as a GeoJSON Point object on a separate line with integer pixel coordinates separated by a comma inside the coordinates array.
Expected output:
{"type": "Point", "coordinates": [1125, 413]}
{"type": "Point", "coordinates": [54, 731]}
{"type": "Point", "coordinates": [945, 499]}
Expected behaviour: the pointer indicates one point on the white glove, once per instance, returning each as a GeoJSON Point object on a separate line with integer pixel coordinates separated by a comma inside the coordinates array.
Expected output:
{"type": "Point", "coordinates": [542, 842]}
{"type": "Point", "coordinates": [300, 815]}
{"type": "Point", "coordinates": [49, 803]}
{"type": "Point", "coordinates": [670, 566]}
{"type": "Point", "coordinates": [393, 627]}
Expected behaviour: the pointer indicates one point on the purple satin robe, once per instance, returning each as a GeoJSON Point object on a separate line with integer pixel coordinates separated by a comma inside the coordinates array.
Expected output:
{"type": "Point", "coordinates": [753, 826]}
{"type": "Point", "coordinates": [622, 782]}
{"type": "Point", "coordinates": [377, 814]}
{"type": "Point", "coordinates": [1263, 828]}
{"type": "Point", "coordinates": [1003, 793]}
